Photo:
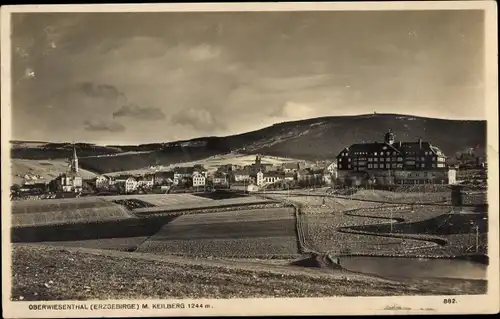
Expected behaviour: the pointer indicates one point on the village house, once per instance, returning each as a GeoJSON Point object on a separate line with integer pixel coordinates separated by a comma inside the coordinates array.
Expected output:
{"type": "Point", "coordinates": [130, 185]}
{"type": "Point", "coordinates": [219, 178]}
{"type": "Point", "coordinates": [290, 167]}
{"type": "Point", "coordinates": [146, 181]}
{"type": "Point", "coordinates": [241, 175]}
{"type": "Point", "coordinates": [310, 176]}
{"type": "Point", "coordinates": [264, 178]}
{"type": "Point", "coordinates": [102, 182]}
{"type": "Point", "coordinates": [331, 168]}
{"type": "Point", "coordinates": [394, 162]}
{"type": "Point", "coordinates": [228, 168]}
{"type": "Point", "coordinates": [164, 178]}
{"type": "Point", "coordinates": [182, 173]}
{"type": "Point", "coordinates": [199, 179]}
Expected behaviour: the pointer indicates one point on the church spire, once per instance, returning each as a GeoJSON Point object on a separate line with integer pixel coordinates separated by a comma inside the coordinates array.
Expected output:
{"type": "Point", "coordinates": [74, 161]}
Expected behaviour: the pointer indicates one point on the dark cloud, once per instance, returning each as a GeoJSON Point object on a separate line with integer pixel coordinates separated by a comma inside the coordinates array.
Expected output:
{"type": "Point", "coordinates": [141, 113]}
{"type": "Point", "coordinates": [104, 126]}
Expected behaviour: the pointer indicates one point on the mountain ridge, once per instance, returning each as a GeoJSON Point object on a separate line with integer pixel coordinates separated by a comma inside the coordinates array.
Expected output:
{"type": "Point", "coordinates": [309, 139]}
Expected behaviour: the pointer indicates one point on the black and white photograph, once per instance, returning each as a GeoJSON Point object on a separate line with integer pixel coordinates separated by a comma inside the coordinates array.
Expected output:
{"type": "Point", "coordinates": [226, 158]}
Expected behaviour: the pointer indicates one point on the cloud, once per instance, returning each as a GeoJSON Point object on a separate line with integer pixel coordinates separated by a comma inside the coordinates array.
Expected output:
{"type": "Point", "coordinates": [141, 113]}
{"type": "Point", "coordinates": [100, 90]}
{"type": "Point", "coordinates": [292, 110]}
{"type": "Point", "coordinates": [203, 52]}
{"type": "Point", "coordinates": [199, 119]}
{"type": "Point", "coordinates": [104, 126]}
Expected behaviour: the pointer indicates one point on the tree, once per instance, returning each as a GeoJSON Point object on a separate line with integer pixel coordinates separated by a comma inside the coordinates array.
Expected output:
{"type": "Point", "coordinates": [15, 191]}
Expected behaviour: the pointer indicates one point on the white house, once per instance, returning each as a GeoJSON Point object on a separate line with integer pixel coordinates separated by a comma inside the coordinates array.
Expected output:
{"type": "Point", "coordinates": [102, 181]}
{"type": "Point", "coordinates": [268, 178]}
{"type": "Point", "coordinates": [199, 179]}
{"type": "Point", "coordinates": [130, 184]}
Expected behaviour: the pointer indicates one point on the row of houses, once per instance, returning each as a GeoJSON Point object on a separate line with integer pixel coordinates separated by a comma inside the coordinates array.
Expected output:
{"type": "Point", "coordinates": [261, 173]}
{"type": "Point", "coordinates": [181, 176]}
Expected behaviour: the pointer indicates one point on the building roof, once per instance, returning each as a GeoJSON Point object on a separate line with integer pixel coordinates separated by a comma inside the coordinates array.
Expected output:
{"type": "Point", "coordinates": [399, 147]}
{"type": "Point", "coordinates": [242, 172]}
{"type": "Point", "coordinates": [184, 170]}
{"type": "Point", "coordinates": [198, 174]}
{"type": "Point", "coordinates": [274, 174]}
{"type": "Point", "coordinates": [164, 174]}
{"type": "Point", "coordinates": [122, 177]}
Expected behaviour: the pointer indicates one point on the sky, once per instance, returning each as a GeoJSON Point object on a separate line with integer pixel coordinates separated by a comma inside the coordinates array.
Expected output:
{"type": "Point", "coordinates": [129, 78]}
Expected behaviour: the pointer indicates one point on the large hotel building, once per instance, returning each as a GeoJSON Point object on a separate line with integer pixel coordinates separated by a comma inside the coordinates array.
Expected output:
{"type": "Point", "coordinates": [394, 162]}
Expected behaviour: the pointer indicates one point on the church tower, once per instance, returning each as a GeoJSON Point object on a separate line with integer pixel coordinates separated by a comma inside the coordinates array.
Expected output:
{"type": "Point", "coordinates": [74, 162]}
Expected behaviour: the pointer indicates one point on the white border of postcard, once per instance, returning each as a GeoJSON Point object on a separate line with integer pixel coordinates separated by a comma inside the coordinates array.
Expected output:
{"type": "Point", "coordinates": [488, 303]}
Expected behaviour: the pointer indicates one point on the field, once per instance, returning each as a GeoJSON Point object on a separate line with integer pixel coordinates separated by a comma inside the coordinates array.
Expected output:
{"type": "Point", "coordinates": [360, 199]}
{"type": "Point", "coordinates": [65, 211]}
{"type": "Point", "coordinates": [70, 274]}
{"type": "Point", "coordinates": [211, 163]}
{"type": "Point", "coordinates": [208, 204]}
{"type": "Point", "coordinates": [162, 199]}
{"type": "Point", "coordinates": [243, 233]}
{"type": "Point", "coordinates": [46, 169]}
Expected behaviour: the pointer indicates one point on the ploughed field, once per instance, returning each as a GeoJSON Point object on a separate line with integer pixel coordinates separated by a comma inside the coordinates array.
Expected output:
{"type": "Point", "coordinates": [268, 232]}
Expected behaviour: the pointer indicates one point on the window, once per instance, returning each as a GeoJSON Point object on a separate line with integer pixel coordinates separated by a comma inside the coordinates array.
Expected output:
{"type": "Point", "coordinates": [394, 153]}
{"type": "Point", "coordinates": [382, 159]}
{"type": "Point", "coordinates": [434, 158]}
{"type": "Point", "coordinates": [388, 159]}
{"type": "Point", "coordinates": [422, 158]}
{"type": "Point", "coordinates": [376, 153]}
{"type": "Point", "coordinates": [423, 165]}
{"type": "Point", "coordinates": [375, 159]}
{"type": "Point", "coordinates": [349, 160]}
{"type": "Point", "coordinates": [375, 165]}
{"type": "Point", "coordinates": [370, 159]}
{"type": "Point", "coordinates": [400, 159]}
{"type": "Point", "coordinates": [348, 165]}
{"type": "Point", "coordinates": [369, 165]}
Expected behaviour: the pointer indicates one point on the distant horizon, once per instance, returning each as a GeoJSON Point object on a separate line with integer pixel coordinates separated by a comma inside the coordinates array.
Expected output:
{"type": "Point", "coordinates": [222, 136]}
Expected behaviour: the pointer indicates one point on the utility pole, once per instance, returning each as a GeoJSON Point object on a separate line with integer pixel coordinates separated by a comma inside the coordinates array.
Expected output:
{"type": "Point", "coordinates": [391, 221]}
{"type": "Point", "coordinates": [477, 237]}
